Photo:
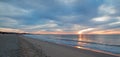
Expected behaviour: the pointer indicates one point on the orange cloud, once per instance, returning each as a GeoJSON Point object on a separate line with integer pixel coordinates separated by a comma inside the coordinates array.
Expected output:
{"type": "Point", "coordinates": [11, 30]}
{"type": "Point", "coordinates": [55, 32]}
{"type": "Point", "coordinates": [85, 30]}
{"type": "Point", "coordinates": [112, 31]}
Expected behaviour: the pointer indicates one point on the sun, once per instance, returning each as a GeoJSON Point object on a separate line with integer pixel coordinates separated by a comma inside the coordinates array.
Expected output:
{"type": "Point", "coordinates": [79, 32]}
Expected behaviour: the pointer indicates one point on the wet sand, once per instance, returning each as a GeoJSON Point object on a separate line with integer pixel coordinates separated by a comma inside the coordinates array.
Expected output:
{"type": "Point", "coordinates": [12, 45]}
{"type": "Point", "coordinates": [9, 45]}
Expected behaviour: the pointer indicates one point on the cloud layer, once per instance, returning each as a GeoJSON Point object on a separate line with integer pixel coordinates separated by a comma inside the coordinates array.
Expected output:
{"type": "Point", "coordinates": [81, 16]}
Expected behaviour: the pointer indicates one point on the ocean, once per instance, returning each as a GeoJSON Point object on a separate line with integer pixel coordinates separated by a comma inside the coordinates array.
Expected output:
{"type": "Point", "coordinates": [107, 43]}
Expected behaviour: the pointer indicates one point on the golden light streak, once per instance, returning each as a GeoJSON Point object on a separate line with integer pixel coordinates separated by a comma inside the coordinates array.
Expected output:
{"type": "Point", "coordinates": [85, 30]}
{"type": "Point", "coordinates": [114, 31]}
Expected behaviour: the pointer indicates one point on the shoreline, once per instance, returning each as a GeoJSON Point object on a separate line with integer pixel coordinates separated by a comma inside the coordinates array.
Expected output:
{"type": "Point", "coordinates": [83, 48]}
{"type": "Point", "coordinates": [26, 46]}
{"type": "Point", "coordinates": [78, 47]}
{"type": "Point", "coordinates": [90, 51]}
{"type": "Point", "coordinates": [99, 51]}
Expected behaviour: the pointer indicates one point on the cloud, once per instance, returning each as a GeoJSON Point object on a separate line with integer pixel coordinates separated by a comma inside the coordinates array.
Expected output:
{"type": "Point", "coordinates": [77, 27]}
{"type": "Point", "coordinates": [107, 23]}
{"type": "Point", "coordinates": [58, 30]}
{"type": "Point", "coordinates": [67, 2]}
{"type": "Point", "coordinates": [10, 10]}
{"type": "Point", "coordinates": [85, 30]}
{"type": "Point", "coordinates": [55, 32]}
{"type": "Point", "coordinates": [114, 23]}
{"type": "Point", "coordinates": [107, 10]}
{"type": "Point", "coordinates": [49, 24]}
{"type": "Point", "coordinates": [106, 20]}
{"type": "Point", "coordinates": [52, 25]}
{"type": "Point", "coordinates": [101, 19]}
{"type": "Point", "coordinates": [69, 18]}
{"type": "Point", "coordinates": [109, 31]}
{"type": "Point", "coordinates": [8, 22]}
{"type": "Point", "coordinates": [11, 30]}
{"type": "Point", "coordinates": [41, 26]}
{"type": "Point", "coordinates": [60, 15]}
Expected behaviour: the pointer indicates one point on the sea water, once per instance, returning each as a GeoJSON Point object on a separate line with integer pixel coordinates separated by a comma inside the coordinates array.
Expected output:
{"type": "Point", "coordinates": [108, 43]}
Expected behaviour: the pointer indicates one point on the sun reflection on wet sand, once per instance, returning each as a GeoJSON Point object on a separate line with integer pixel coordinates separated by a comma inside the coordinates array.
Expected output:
{"type": "Point", "coordinates": [78, 47]}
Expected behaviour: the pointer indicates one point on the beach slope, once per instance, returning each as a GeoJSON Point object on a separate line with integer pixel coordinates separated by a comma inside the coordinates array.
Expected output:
{"type": "Point", "coordinates": [12, 45]}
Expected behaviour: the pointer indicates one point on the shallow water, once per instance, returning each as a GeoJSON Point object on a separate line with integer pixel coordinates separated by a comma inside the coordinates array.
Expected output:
{"type": "Point", "coordinates": [107, 43]}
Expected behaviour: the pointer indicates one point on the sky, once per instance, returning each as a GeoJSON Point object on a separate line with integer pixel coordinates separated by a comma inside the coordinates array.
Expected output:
{"type": "Point", "coordinates": [60, 16]}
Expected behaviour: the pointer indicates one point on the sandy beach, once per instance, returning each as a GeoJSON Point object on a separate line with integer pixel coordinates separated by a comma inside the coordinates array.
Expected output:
{"type": "Point", "coordinates": [9, 45]}
{"type": "Point", "coordinates": [12, 45]}
{"type": "Point", "coordinates": [27, 47]}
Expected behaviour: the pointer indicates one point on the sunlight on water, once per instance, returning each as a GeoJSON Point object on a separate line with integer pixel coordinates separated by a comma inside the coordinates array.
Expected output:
{"type": "Point", "coordinates": [106, 43]}
{"type": "Point", "coordinates": [82, 38]}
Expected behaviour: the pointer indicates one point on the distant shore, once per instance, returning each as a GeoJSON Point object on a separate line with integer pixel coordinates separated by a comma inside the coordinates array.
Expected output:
{"type": "Point", "coordinates": [27, 47]}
